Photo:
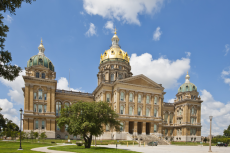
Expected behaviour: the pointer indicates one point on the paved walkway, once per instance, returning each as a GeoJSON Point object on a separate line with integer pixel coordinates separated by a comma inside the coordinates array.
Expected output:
{"type": "Point", "coordinates": [44, 149]}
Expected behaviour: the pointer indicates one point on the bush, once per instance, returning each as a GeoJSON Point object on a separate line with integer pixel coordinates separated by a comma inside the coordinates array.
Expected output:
{"type": "Point", "coordinates": [79, 144]}
{"type": "Point", "coordinates": [224, 140]}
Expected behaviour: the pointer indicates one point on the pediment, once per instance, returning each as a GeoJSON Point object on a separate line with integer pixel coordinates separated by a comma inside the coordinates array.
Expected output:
{"type": "Point", "coordinates": [140, 80]}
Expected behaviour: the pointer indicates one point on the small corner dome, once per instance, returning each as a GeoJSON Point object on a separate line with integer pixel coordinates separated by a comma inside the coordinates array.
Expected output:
{"type": "Point", "coordinates": [41, 59]}
{"type": "Point", "coordinates": [187, 86]}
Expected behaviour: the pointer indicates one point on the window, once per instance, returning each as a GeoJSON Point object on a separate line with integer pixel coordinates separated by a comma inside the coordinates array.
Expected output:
{"type": "Point", "coordinates": [37, 74]}
{"type": "Point", "coordinates": [171, 118]}
{"type": "Point", "coordinates": [192, 111]}
{"type": "Point", "coordinates": [108, 97]}
{"type": "Point", "coordinates": [192, 131]}
{"type": "Point", "coordinates": [45, 96]}
{"type": "Point", "coordinates": [155, 112]}
{"type": "Point", "coordinates": [40, 62]}
{"type": "Point", "coordinates": [36, 124]}
{"type": "Point", "coordinates": [139, 98]}
{"type": "Point", "coordinates": [192, 120]}
{"type": "Point", "coordinates": [58, 128]}
{"type": "Point", "coordinates": [43, 124]}
{"type": "Point", "coordinates": [147, 99]}
{"type": "Point", "coordinates": [166, 117]}
{"type": "Point", "coordinates": [155, 128]}
{"type": "Point", "coordinates": [35, 95]}
{"type": "Point", "coordinates": [40, 108]}
{"type": "Point", "coordinates": [107, 128]}
{"type": "Point", "coordinates": [58, 108]}
{"type": "Point", "coordinates": [122, 96]}
{"type": "Point", "coordinates": [120, 76]}
{"type": "Point", "coordinates": [194, 97]}
{"type": "Point", "coordinates": [120, 67]}
{"type": "Point", "coordinates": [155, 100]}
{"type": "Point", "coordinates": [166, 131]}
{"type": "Point", "coordinates": [180, 112]}
{"type": "Point", "coordinates": [122, 109]}
{"type": "Point", "coordinates": [171, 132]}
{"type": "Point", "coordinates": [50, 66]}
{"type": "Point", "coordinates": [130, 97]}
{"type": "Point", "coordinates": [58, 136]}
{"type": "Point", "coordinates": [112, 77]}
{"type": "Point", "coordinates": [147, 112]}
{"type": "Point", "coordinates": [121, 127]}
{"type": "Point", "coordinates": [40, 94]}
{"type": "Point", "coordinates": [112, 66]}
{"type": "Point", "coordinates": [130, 110]}
{"type": "Point", "coordinates": [35, 108]}
{"type": "Point", "coordinates": [193, 88]}
{"type": "Point", "coordinates": [186, 88]}
{"type": "Point", "coordinates": [43, 76]}
{"type": "Point", "coordinates": [44, 108]}
{"type": "Point", "coordinates": [139, 111]}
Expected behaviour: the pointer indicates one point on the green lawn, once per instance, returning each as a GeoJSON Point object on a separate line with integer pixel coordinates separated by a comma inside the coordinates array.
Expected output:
{"type": "Point", "coordinates": [12, 147]}
{"type": "Point", "coordinates": [191, 143]}
{"type": "Point", "coordinates": [82, 149]}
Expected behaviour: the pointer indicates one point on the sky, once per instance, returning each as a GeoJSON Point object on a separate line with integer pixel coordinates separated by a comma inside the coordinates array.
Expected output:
{"type": "Point", "coordinates": [164, 39]}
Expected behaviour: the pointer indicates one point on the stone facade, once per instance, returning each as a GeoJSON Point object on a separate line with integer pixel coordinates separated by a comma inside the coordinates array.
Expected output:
{"type": "Point", "coordinates": [138, 100]}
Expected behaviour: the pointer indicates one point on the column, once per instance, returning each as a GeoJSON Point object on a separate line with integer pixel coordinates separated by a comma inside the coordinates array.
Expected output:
{"type": "Point", "coordinates": [25, 124]}
{"type": "Point", "coordinates": [48, 101]}
{"type": "Point", "coordinates": [118, 101]}
{"type": "Point", "coordinates": [48, 124]}
{"type": "Point", "coordinates": [160, 107]}
{"type": "Point", "coordinates": [152, 128]}
{"type": "Point", "coordinates": [31, 124]}
{"type": "Point", "coordinates": [53, 101]}
{"type": "Point", "coordinates": [135, 101]}
{"type": "Point", "coordinates": [152, 106]}
{"type": "Point", "coordinates": [185, 111]}
{"type": "Point", "coordinates": [198, 114]}
{"type": "Point", "coordinates": [104, 96]}
{"type": "Point", "coordinates": [143, 128]}
{"type": "Point", "coordinates": [127, 102]}
{"type": "Point", "coordinates": [189, 114]}
{"type": "Point", "coordinates": [31, 103]}
{"type": "Point", "coordinates": [144, 105]}
{"type": "Point", "coordinates": [53, 125]}
{"type": "Point", "coordinates": [27, 90]}
{"type": "Point", "coordinates": [175, 116]}
{"type": "Point", "coordinates": [127, 126]}
{"type": "Point", "coordinates": [135, 128]}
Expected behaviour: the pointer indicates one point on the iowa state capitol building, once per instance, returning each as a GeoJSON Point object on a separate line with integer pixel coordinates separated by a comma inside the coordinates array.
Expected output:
{"type": "Point", "coordinates": [138, 100]}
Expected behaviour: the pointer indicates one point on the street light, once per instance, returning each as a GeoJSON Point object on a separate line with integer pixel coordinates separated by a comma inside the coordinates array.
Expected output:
{"type": "Point", "coordinates": [20, 148]}
{"type": "Point", "coordinates": [210, 136]}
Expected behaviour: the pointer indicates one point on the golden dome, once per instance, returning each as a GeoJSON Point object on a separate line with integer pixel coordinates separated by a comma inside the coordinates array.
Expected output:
{"type": "Point", "coordinates": [115, 53]}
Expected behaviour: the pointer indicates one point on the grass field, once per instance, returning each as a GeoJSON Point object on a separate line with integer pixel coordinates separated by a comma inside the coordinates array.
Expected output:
{"type": "Point", "coordinates": [82, 149]}
{"type": "Point", "coordinates": [191, 143]}
{"type": "Point", "coordinates": [12, 147]}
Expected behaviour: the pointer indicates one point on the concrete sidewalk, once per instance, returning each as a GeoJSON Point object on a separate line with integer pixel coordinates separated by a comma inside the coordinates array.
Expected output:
{"type": "Point", "coordinates": [44, 149]}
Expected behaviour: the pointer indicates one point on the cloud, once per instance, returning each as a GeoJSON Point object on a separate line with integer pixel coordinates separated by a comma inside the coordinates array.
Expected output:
{"type": "Point", "coordinates": [220, 112]}
{"type": "Point", "coordinates": [225, 76]}
{"type": "Point", "coordinates": [15, 91]}
{"type": "Point", "coordinates": [8, 18]}
{"type": "Point", "coordinates": [91, 31]}
{"type": "Point", "coordinates": [63, 84]}
{"type": "Point", "coordinates": [109, 26]}
{"type": "Point", "coordinates": [157, 34]}
{"type": "Point", "coordinates": [161, 70]}
{"type": "Point", "coordinates": [227, 48]}
{"type": "Point", "coordinates": [8, 111]}
{"type": "Point", "coordinates": [171, 100]}
{"type": "Point", "coordinates": [82, 13]}
{"type": "Point", "coordinates": [126, 11]}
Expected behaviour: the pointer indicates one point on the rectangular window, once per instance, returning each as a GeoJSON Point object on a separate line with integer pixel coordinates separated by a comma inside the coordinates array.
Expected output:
{"type": "Point", "coordinates": [155, 112]}
{"type": "Point", "coordinates": [122, 109]}
{"type": "Point", "coordinates": [130, 111]}
{"type": "Point", "coordinates": [155, 100]}
{"type": "Point", "coordinates": [122, 96]}
{"type": "Point", "coordinates": [43, 124]}
{"type": "Point", "coordinates": [36, 124]}
{"type": "Point", "coordinates": [35, 95]}
{"type": "Point", "coordinates": [130, 97]}
{"type": "Point", "coordinates": [155, 128]}
{"type": "Point", "coordinates": [66, 128]}
{"type": "Point", "coordinates": [40, 108]}
{"type": "Point", "coordinates": [45, 96]}
{"type": "Point", "coordinates": [107, 128]}
{"type": "Point", "coordinates": [147, 112]}
{"type": "Point", "coordinates": [171, 132]}
{"type": "Point", "coordinates": [35, 108]}
{"type": "Point", "coordinates": [147, 99]}
{"type": "Point", "coordinates": [139, 98]}
{"type": "Point", "coordinates": [139, 111]}
{"type": "Point", "coordinates": [166, 131]}
{"type": "Point", "coordinates": [44, 108]}
{"type": "Point", "coordinates": [112, 66]}
{"type": "Point", "coordinates": [120, 67]}
{"type": "Point", "coordinates": [108, 97]}
{"type": "Point", "coordinates": [121, 127]}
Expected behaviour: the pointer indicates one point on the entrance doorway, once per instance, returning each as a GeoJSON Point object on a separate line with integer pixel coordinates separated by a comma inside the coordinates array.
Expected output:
{"type": "Point", "coordinates": [131, 127]}
{"type": "Point", "coordinates": [139, 127]}
{"type": "Point", "coordinates": [147, 128]}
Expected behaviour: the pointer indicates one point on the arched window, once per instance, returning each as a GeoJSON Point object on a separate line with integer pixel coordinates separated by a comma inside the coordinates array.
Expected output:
{"type": "Point", "coordinates": [43, 76]}
{"type": "Point", "coordinates": [147, 99]}
{"type": "Point", "coordinates": [37, 74]}
{"type": "Point", "coordinates": [130, 97]}
{"type": "Point", "coordinates": [139, 111]}
{"type": "Point", "coordinates": [166, 117]}
{"type": "Point", "coordinates": [122, 110]}
{"type": "Point", "coordinates": [147, 112]}
{"type": "Point", "coordinates": [40, 62]}
{"type": "Point", "coordinates": [122, 96]}
{"type": "Point", "coordinates": [155, 112]}
{"type": "Point", "coordinates": [120, 76]}
{"type": "Point", "coordinates": [155, 100]}
{"type": "Point", "coordinates": [186, 88]}
{"type": "Point", "coordinates": [58, 108]}
{"type": "Point", "coordinates": [108, 97]}
{"type": "Point", "coordinates": [155, 128]}
{"type": "Point", "coordinates": [121, 127]}
{"type": "Point", "coordinates": [120, 67]}
{"type": "Point", "coordinates": [139, 98]}
{"type": "Point", "coordinates": [40, 94]}
{"type": "Point", "coordinates": [180, 112]}
{"type": "Point", "coordinates": [66, 104]}
{"type": "Point", "coordinates": [112, 77]}
{"type": "Point", "coordinates": [130, 110]}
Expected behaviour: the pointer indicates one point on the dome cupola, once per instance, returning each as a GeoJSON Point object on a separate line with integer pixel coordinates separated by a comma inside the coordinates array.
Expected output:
{"type": "Point", "coordinates": [187, 86]}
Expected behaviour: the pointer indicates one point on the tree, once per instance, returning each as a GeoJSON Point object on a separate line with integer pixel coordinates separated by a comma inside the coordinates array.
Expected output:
{"type": "Point", "coordinates": [43, 136]}
{"type": "Point", "coordinates": [227, 132]}
{"type": "Point", "coordinates": [35, 135]}
{"type": "Point", "coordinates": [2, 121]}
{"type": "Point", "coordinates": [87, 119]}
{"type": "Point", "coordinates": [8, 71]}
{"type": "Point", "coordinates": [27, 135]}
{"type": "Point", "coordinates": [31, 134]}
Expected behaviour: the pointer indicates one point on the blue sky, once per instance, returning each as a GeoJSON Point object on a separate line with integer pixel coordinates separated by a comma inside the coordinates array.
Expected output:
{"type": "Point", "coordinates": [164, 39]}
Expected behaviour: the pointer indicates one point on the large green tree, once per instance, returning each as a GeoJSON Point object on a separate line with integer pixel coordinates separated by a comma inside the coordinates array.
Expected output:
{"type": "Point", "coordinates": [227, 132]}
{"type": "Point", "coordinates": [7, 70]}
{"type": "Point", "coordinates": [2, 121]}
{"type": "Point", "coordinates": [87, 119]}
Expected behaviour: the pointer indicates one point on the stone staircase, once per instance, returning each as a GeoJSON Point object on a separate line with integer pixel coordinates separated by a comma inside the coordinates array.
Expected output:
{"type": "Point", "coordinates": [149, 138]}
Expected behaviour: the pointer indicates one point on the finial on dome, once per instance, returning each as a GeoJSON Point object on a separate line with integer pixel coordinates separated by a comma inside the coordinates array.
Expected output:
{"type": "Point", "coordinates": [115, 31]}
{"type": "Point", "coordinates": [187, 78]}
{"type": "Point", "coordinates": [41, 48]}
{"type": "Point", "coordinates": [41, 40]}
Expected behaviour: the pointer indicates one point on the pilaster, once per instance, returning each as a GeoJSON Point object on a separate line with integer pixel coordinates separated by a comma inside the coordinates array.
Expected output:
{"type": "Point", "coordinates": [126, 126]}
{"type": "Point", "coordinates": [27, 96]}
{"type": "Point", "coordinates": [48, 101]}
{"type": "Point", "coordinates": [143, 128]}
{"type": "Point", "coordinates": [127, 102]}
{"type": "Point", "coordinates": [135, 101]}
{"type": "Point", "coordinates": [118, 101]}
{"type": "Point", "coordinates": [144, 105]}
{"type": "Point", "coordinates": [31, 102]}
{"type": "Point", "coordinates": [152, 106]}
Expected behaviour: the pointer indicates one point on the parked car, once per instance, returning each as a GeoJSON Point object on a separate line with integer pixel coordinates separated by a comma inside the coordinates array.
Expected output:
{"type": "Point", "coordinates": [152, 143]}
{"type": "Point", "coordinates": [222, 144]}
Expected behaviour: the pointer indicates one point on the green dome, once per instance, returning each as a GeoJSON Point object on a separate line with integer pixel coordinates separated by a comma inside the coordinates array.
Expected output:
{"type": "Point", "coordinates": [187, 87]}
{"type": "Point", "coordinates": [40, 60]}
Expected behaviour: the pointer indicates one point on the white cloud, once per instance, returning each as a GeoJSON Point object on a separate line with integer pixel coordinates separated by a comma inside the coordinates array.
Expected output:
{"type": "Point", "coordinates": [8, 111]}
{"type": "Point", "coordinates": [157, 34]}
{"type": "Point", "coordinates": [82, 13]}
{"type": "Point", "coordinates": [126, 11]}
{"type": "Point", "coordinates": [220, 112]}
{"type": "Point", "coordinates": [188, 54]}
{"type": "Point", "coordinates": [109, 26]}
{"type": "Point", "coordinates": [91, 31]}
{"type": "Point", "coordinates": [225, 76]}
{"type": "Point", "coordinates": [227, 48]}
{"type": "Point", "coordinates": [15, 91]}
{"type": "Point", "coordinates": [8, 18]}
{"type": "Point", "coordinates": [171, 100]}
{"type": "Point", "coordinates": [161, 70]}
{"type": "Point", "coordinates": [63, 84]}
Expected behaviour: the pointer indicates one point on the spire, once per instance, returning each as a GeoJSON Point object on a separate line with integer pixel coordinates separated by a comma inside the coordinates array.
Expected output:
{"type": "Point", "coordinates": [41, 48]}
{"type": "Point", "coordinates": [115, 31]}
{"type": "Point", "coordinates": [187, 78]}
{"type": "Point", "coordinates": [115, 40]}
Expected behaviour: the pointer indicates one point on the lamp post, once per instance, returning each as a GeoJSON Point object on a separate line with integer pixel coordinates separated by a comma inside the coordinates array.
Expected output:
{"type": "Point", "coordinates": [20, 148]}
{"type": "Point", "coordinates": [210, 136]}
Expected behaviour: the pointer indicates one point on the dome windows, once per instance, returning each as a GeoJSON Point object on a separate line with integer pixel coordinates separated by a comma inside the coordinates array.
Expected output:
{"type": "Point", "coordinates": [40, 62]}
{"type": "Point", "coordinates": [186, 88]}
{"type": "Point", "coordinates": [193, 88]}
